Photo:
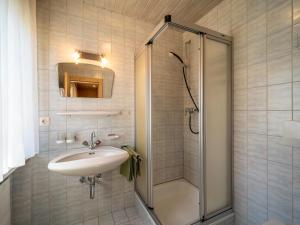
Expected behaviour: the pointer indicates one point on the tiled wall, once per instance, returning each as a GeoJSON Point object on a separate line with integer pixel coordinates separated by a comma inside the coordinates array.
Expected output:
{"type": "Point", "coordinates": [42, 197]}
{"type": "Point", "coordinates": [266, 93]}
{"type": "Point", "coordinates": [191, 53]}
{"type": "Point", "coordinates": [175, 148]}
{"type": "Point", "coordinates": [5, 203]}
{"type": "Point", "coordinates": [167, 108]}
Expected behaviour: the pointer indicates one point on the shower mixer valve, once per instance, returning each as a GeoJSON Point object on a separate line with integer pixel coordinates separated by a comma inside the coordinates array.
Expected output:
{"type": "Point", "coordinates": [190, 110]}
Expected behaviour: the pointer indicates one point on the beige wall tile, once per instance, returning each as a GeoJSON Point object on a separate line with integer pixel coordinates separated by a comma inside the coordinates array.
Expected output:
{"type": "Point", "coordinates": [257, 75]}
{"type": "Point", "coordinates": [240, 77]}
{"type": "Point", "coordinates": [257, 98]}
{"type": "Point", "coordinates": [257, 122]}
{"type": "Point", "coordinates": [239, 13]}
{"type": "Point", "coordinates": [280, 192]}
{"type": "Point", "coordinates": [279, 17]}
{"type": "Point", "coordinates": [280, 97]}
{"type": "Point", "coordinates": [296, 96]}
{"type": "Point", "coordinates": [256, 8]}
{"type": "Point", "coordinates": [296, 53]}
{"type": "Point", "coordinates": [5, 203]}
{"type": "Point", "coordinates": [278, 152]}
{"type": "Point", "coordinates": [240, 99]}
{"type": "Point", "coordinates": [280, 69]}
{"type": "Point", "coordinates": [275, 120]}
{"type": "Point", "coordinates": [257, 146]}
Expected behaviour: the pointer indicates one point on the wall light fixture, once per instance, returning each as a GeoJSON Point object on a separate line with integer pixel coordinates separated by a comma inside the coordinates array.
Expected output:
{"type": "Point", "coordinates": [78, 56]}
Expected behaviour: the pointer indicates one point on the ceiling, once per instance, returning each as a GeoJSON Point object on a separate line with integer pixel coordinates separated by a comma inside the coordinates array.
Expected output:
{"type": "Point", "coordinates": [185, 11]}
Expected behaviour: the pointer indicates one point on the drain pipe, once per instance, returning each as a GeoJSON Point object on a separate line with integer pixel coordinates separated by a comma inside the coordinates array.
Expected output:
{"type": "Point", "coordinates": [91, 181]}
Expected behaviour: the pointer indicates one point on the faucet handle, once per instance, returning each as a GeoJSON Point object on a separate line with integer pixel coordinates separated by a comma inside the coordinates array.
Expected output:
{"type": "Point", "coordinates": [85, 143]}
{"type": "Point", "coordinates": [98, 142]}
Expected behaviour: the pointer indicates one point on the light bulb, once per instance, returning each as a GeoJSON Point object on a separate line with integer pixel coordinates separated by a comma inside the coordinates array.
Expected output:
{"type": "Point", "coordinates": [103, 62]}
{"type": "Point", "coordinates": [76, 56]}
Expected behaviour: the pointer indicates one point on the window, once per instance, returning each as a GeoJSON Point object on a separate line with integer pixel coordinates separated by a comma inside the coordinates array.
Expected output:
{"type": "Point", "coordinates": [18, 84]}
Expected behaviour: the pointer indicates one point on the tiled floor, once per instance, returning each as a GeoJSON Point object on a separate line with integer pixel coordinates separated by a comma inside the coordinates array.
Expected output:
{"type": "Point", "coordinates": [128, 216]}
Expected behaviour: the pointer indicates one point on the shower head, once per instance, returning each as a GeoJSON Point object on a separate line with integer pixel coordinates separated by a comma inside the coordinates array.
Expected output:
{"type": "Point", "coordinates": [173, 54]}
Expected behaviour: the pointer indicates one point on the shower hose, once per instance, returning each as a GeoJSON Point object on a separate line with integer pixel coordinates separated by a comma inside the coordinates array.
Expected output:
{"type": "Point", "coordinates": [193, 100]}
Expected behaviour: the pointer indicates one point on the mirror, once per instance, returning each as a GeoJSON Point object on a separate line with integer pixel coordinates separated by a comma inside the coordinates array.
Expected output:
{"type": "Point", "coordinates": [85, 80]}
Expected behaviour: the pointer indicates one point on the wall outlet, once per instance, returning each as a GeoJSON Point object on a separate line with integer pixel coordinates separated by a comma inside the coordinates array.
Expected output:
{"type": "Point", "coordinates": [44, 121]}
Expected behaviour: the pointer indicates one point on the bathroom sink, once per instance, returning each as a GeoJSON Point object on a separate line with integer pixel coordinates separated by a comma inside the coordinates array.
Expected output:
{"type": "Point", "coordinates": [88, 162]}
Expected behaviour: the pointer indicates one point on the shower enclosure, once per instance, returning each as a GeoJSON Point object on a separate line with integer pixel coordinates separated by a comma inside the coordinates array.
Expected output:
{"type": "Point", "coordinates": [184, 123]}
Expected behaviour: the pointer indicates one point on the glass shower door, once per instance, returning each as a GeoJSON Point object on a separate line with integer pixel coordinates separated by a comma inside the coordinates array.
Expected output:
{"type": "Point", "coordinates": [217, 131]}
{"type": "Point", "coordinates": [175, 137]}
{"type": "Point", "coordinates": [142, 123]}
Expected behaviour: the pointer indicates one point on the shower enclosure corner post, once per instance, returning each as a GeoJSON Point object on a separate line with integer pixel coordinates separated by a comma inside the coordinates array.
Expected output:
{"type": "Point", "coordinates": [232, 121]}
{"type": "Point", "coordinates": [201, 131]}
{"type": "Point", "coordinates": [149, 126]}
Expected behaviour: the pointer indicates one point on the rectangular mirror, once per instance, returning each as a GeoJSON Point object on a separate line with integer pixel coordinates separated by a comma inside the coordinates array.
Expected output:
{"type": "Point", "coordinates": [85, 80]}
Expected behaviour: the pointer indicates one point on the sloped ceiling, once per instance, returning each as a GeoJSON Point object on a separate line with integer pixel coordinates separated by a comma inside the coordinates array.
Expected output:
{"type": "Point", "coordinates": [152, 11]}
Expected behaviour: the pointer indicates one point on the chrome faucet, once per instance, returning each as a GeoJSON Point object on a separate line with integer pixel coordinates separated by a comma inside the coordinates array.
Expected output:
{"type": "Point", "coordinates": [93, 135]}
{"type": "Point", "coordinates": [93, 144]}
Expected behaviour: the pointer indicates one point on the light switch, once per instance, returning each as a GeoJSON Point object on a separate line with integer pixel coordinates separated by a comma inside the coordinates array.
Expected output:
{"type": "Point", "coordinates": [44, 121]}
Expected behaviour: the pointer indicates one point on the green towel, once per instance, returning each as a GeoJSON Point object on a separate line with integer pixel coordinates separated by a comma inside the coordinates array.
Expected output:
{"type": "Point", "coordinates": [131, 167]}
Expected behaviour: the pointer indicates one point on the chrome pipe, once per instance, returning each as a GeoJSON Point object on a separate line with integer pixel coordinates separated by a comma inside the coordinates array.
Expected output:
{"type": "Point", "coordinates": [92, 182]}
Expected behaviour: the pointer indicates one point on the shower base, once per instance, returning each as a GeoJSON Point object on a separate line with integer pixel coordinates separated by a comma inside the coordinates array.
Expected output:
{"type": "Point", "coordinates": [176, 202]}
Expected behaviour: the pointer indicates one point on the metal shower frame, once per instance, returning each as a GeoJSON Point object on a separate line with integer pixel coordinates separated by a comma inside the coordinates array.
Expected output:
{"type": "Point", "coordinates": [204, 33]}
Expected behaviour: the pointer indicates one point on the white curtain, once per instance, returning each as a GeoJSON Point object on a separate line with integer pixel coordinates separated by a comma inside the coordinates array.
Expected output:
{"type": "Point", "coordinates": [18, 83]}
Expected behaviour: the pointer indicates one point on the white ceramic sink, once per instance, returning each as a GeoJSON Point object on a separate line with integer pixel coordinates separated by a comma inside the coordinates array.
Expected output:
{"type": "Point", "coordinates": [83, 163]}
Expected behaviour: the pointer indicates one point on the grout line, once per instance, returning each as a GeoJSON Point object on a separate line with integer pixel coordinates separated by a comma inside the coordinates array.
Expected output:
{"type": "Point", "coordinates": [247, 109]}
{"type": "Point", "coordinates": [264, 110]}
{"type": "Point", "coordinates": [292, 95]}
{"type": "Point", "coordinates": [267, 105]}
{"type": "Point", "coordinates": [48, 110]}
{"type": "Point", "coordinates": [267, 85]}
{"type": "Point", "coordinates": [66, 124]}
